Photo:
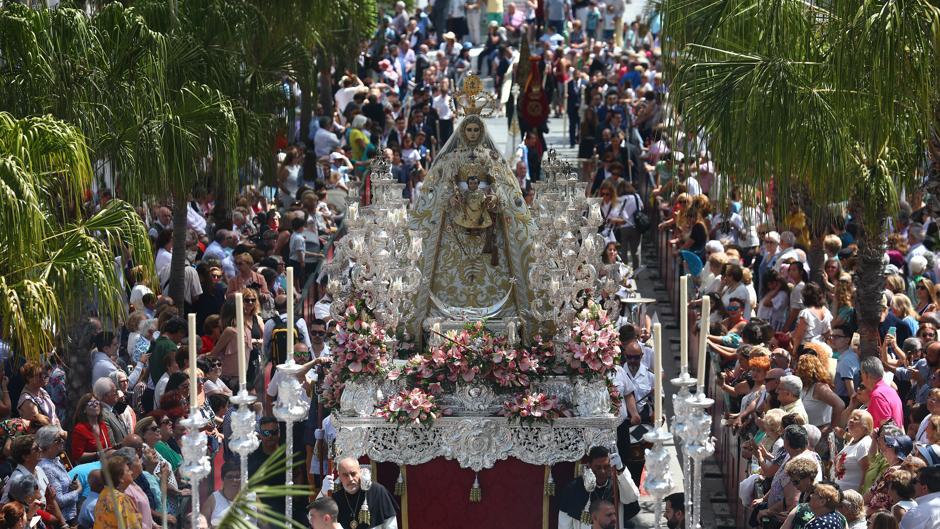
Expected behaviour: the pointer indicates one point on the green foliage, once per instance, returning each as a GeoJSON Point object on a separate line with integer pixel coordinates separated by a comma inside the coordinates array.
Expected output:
{"type": "Point", "coordinates": [50, 249]}
{"type": "Point", "coordinates": [831, 99]}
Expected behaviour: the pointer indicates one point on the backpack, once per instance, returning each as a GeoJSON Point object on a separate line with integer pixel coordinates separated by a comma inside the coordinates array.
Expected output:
{"type": "Point", "coordinates": [279, 339]}
{"type": "Point", "coordinates": [641, 220]}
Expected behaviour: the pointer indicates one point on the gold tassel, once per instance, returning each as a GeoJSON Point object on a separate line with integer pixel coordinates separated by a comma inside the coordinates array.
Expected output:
{"type": "Point", "coordinates": [337, 484]}
{"type": "Point", "coordinates": [365, 517]}
{"type": "Point", "coordinates": [577, 469]}
{"type": "Point", "coordinates": [400, 484]}
{"type": "Point", "coordinates": [475, 493]}
{"type": "Point", "coordinates": [550, 482]}
{"type": "Point", "coordinates": [586, 516]}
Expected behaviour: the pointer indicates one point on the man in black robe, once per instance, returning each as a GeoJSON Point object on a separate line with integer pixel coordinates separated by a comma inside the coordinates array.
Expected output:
{"type": "Point", "coordinates": [351, 495]}
{"type": "Point", "coordinates": [575, 499]}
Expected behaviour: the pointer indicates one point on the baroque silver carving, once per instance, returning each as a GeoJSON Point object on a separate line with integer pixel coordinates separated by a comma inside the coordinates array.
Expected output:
{"type": "Point", "coordinates": [359, 397]}
{"type": "Point", "coordinates": [591, 398]}
{"type": "Point", "coordinates": [475, 443]}
{"type": "Point", "coordinates": [472, 400]}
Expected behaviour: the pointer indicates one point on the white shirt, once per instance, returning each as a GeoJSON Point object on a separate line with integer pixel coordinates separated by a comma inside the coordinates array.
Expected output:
{"type": "Point", "coordinates": [442, 105]}
{"type": "Point", "coordinates": [192, 287]}
{"type": "Point", "coordinates": [324, 142]}
{"type": "Point", "coordinates": [642, 381]}
{"type": "Point", "coordinates": [926, 515]}
{"type": "Point", "coordinates": [160, 389]}
{"type": "Point", "coordinates": [310, 377]}
{"type": "Point", "coordinates": [692, 186]}
{"type": "Point", "coordinates": [624, 386]}
{"type": "Point", "coordinates": [302, 333]}
{"type": "Point", "coordinates": [164, 257]}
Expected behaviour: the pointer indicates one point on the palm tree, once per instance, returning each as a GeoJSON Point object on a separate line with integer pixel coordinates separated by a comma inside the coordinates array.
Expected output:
{"type": "Point", "coordinates": [54, 255]}
{"type": "Point", "coordinates": [830, 98]}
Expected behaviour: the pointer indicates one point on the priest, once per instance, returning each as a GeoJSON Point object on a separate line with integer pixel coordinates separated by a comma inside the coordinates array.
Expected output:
{"type": "Point", "coordinates": [362, 503]}
{"type": "Point", "coordinates": [604, 478]}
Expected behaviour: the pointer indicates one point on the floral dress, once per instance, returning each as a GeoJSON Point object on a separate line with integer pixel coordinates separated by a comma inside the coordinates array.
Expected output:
{"type": "Point", "coordinates": [106, 515]}
{"type": "Point", "coordinates": [880, 499]}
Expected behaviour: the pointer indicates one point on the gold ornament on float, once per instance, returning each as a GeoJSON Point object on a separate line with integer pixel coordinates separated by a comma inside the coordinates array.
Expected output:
{"type": "Point", "coordinates": [472, 100]}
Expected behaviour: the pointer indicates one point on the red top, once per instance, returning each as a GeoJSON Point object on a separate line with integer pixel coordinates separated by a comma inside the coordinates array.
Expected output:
{"type": "Point", "coordinates": [83, 440]}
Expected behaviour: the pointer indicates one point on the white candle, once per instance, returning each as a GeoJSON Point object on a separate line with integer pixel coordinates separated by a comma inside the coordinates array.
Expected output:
{"type": "Point", "coordinates": [684, 322]}
{"type": "Point", "coordinates": [290, 315]}
{"type": "Point", "coordinates": [658, 374]}
{"type": "Point", "coordinates": [703, 342]}
{"type": "Point", "coordinates": [240, 329]}
{"type": "Point", "coordinates": [352, 211]}
{"type": "Point", "coordinates": [435, 334]}
{"type": "Point", "coordinates": [193, 379]}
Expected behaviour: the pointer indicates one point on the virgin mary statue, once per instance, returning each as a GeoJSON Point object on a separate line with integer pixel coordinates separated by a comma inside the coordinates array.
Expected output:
{"type": "Point", "coordinates": [476, 229]}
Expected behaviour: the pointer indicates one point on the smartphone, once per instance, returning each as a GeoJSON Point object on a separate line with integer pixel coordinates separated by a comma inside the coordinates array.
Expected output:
{"type": "Point", "coordinates": [893, 331]}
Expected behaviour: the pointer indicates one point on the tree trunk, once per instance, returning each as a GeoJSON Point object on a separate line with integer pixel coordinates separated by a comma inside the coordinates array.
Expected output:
{"type": "Point", "coordinates": [869, 292]}
{"type": "Point", "coordinates": [325, 92]}
{"type": "Point", "coordinates": [817, 260]}
{"type": "Point", "coordinates": [77, 359]}
{"type": "Point", "coordinates": [178, 262]}
{"type": "Point", "coordinates": [307, 84]}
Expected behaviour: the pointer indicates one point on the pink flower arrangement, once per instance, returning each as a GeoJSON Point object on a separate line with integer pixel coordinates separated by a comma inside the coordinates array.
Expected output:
{"type": "Point", "coordinates": [474, 355]}
{"type": "Point", "coordinates": [534, 407]}
{"type": "Point", "coordinates": [410, 407]}
{"type": "Point", "coordinates": [594, 348]}
{"type": "Point", "coordinates": [359, 350]}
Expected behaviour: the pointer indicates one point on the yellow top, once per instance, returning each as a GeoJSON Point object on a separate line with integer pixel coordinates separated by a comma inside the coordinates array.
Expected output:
{"type": "Point", "coordinates": [106, 515]}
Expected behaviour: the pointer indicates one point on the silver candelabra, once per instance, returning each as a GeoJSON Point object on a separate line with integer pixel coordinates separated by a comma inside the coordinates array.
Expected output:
{"type": "Point", "coordinates": [566, 241]}
{"type": "Point", "coordinates": [244, 437]}
{"type": "Point", "coordinates": [195, 456]}
{"type": "Point", "coordinates": [378, 256]}
{"type": "Point", "coordinates": [658, 478]}
{"type": "Point", "coordinates": [700, 445]}
{"type": "Point", "coordinates": [680, 428]}
{"type": "Point", "coordinates": [292, 406]}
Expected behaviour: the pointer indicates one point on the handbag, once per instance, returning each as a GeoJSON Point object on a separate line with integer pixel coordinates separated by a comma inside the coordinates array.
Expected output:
{"type": "Point", "coordinates": [641, 220]}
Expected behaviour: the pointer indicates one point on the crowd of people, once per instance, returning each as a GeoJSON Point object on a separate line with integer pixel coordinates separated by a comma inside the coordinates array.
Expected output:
{"type": "Point", "coordinates": [834, 438]}
{"type": "Point", "coordinates": [111, 459]}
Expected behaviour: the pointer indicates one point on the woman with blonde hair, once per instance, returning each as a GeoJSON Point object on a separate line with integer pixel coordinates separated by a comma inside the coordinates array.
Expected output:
{"type": "Point", "coordinates": [824, 500]}
{"type": "Point", "coordinates": [926, 296]}
{"type": "Point", "coordinates": [819, 399]}
{"type": "Point", "coordinates": [843, 306]}
{"type": "Point", "coordinates": [850, 465]}
{"type": "Point", "coordinates": [611, 211]}
{"type": "Point", "coordinates": [246, 276]}
{"type": "Point", "coordinates": [904, 310]}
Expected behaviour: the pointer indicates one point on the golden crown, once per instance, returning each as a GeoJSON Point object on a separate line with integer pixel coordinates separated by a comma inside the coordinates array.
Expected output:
{"type": "Point", "coordinates": [471, 99]}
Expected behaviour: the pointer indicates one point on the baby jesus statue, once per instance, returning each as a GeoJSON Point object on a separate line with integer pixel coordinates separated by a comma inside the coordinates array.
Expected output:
{"type": "Point", "coordinates": [474, 204]}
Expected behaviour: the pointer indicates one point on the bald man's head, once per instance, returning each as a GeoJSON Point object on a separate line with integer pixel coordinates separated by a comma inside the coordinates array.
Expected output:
{"type": "Point", "coordinates": [349, 474]}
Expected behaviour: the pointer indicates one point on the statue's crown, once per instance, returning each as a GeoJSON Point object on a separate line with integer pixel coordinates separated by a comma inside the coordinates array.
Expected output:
{"type": "Point", "coordinates": [471, 99]}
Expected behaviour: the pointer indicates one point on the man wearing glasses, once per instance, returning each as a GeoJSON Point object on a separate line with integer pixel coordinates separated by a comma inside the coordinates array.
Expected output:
{"type": "Point", "coordinates": [848, 368]}
{"type": "Point", "coordinates": [270, 441]}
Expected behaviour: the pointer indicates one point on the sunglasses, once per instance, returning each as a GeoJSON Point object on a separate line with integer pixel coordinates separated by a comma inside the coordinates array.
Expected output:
{"type": "Point", "coordinates": [317, 333]}
{"type": "Point", "coordinates": [216, 276]}
{"type": "Point", "coordinates": [634, 358]}
{"type": "Point", "coordinates": [153, 429]}
{"type": "Point", "coordinates": [270, 433]}
{"type": "Point", "coordinates": [166, 421]}
{"type": "Point", "coordinates": [735, 307]}
{"type": "Point", "coordinates": [250, 300]}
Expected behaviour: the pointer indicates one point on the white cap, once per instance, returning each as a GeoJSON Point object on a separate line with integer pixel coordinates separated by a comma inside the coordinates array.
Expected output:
{"type": "Point", "coordinates": [714, 247]}
{"type": "Point", "coordinates": [773, 237]}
